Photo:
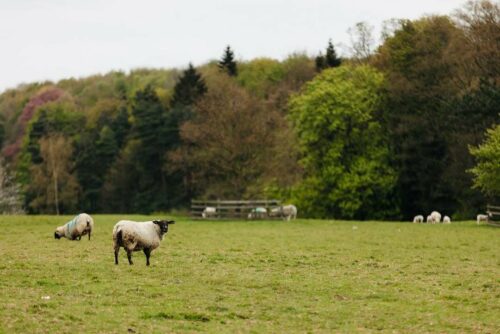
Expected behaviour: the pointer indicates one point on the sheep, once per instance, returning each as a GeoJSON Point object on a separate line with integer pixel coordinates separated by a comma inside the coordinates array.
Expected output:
{"type": "Point", "coordinates": [289, 211]}
{"type": "Point", "coordinates": [429, 220]}
{"type": "Point", "coordinates": [446, 220]}
{"type": "Point", "coordinates": [481, 218]}
{"type": "Point", "coordinates": [74, 230]}
{"type": "Point", "coordinates": [436, 217]}
{"type": "Point", "coordinates": [135, 236]}
{"type": "Point", "coordinates": [257, 213]}
{"type": "Point", "coordinates": [208, 212]}
{"type": "Point", "coordinates": [418, 219]}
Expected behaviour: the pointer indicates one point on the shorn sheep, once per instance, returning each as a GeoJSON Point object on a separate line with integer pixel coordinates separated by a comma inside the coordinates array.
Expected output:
{"type": "Point", "coordinates": [286, 211]}
{"type": "Point", "coordinates": [418, 219]}
{"type": "Point", "coordinates": [481, 218]}
{"type": "Point", "coordinates": [74, 230]}
{"type": "Point", "coordinates": [137, 236]}
{"type": "Point", "coordinates": [289, 211]}
{"type": "Point", "coordinates": [209, 212]}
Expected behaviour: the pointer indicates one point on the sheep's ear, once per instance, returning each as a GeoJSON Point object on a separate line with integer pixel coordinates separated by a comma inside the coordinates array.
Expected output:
{"type": "Point", "coordinates": [157, 222]}
{"type": "Point", "coordinates": [170, 222]}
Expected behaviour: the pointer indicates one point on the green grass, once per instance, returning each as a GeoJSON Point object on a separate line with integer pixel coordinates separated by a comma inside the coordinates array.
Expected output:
{"type": "Point", "coordinates": [278, 277]}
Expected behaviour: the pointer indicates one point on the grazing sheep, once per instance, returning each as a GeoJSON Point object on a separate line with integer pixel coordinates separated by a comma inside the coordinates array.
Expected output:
{"type": "Point", "coordinates": [136, 236]}
{"type": "Point", "coordinates": [289, 211]}
{"type": "Point", "coordinates": [418, 219]}
{"type": "Point", "coordinates": [74, 230]}
{"type": "Point", "coordinates": [257, 213]}
{"type": "Point", "coordinates": [429, 220]}
{"type": "Point", "coordinates": [481, 218]}
{"type": "Point", "coordinates": [446, 220]}
{"type": "Point", "coordinates": [436, 217]}
{"type": "Point", "coordinates": [209, 212]}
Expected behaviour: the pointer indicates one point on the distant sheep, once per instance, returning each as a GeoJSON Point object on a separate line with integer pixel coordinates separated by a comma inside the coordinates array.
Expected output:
{"type": "Point", "coordinates": [446, 220]}
{"type": "Point", "coordinates": [289, 211]}
{"type": "Point", "coordinates": [418, 219]}
{"type": "Point", "coordinates": [429, 219]}
{"type": "Point", "coordinates": [481, 218]}
{"type": "Point", "coordinates": [209, 212]}
{"type": "Point", "coordinates": [436, 217]}
{"type": "Point", "coordinates": [136, 236]}
{"type": "Point", "coordinates": [285, 211]}
{"type": "Point", "coordinates": [74, 230]}
{"type": "Point", "coordinates": [257, 213]}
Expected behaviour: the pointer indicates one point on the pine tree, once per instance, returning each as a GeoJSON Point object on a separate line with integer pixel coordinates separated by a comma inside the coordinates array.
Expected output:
{"type": "Point", "coordinates": [149, 129]}
{"type": "Point", "coordinates": [189, 88]}
{"type": "Point", "coordinates": [320, 62]}
{"type": "Point", "coordinates": [329, 60]}
{"type": "Point", "coordinates": [227, 63]}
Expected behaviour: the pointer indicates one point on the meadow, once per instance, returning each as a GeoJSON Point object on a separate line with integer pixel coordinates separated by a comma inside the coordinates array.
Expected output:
{"type": "Point", "coordinates": [312, 276]}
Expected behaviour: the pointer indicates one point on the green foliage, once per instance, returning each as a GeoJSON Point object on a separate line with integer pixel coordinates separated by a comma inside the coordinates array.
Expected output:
{"type": "Point", "coordinates": [344, 147]}
{"type": "Point", "coordinates": [487, 171]}
{"type": "Point", "coordinates": [227, 63]}
{"type": "Point", "coordinates": [259, 75]}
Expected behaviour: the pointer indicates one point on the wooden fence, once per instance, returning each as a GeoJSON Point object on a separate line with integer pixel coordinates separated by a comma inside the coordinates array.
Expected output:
{"type": "Point", "coordinates": [225, 209]}
{"type": "Point", "coordinates": [493, 215]}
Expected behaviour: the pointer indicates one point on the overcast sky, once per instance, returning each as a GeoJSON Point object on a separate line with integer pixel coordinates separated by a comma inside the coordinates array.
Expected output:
{"type": "Point", "coordinates": [55, 39]}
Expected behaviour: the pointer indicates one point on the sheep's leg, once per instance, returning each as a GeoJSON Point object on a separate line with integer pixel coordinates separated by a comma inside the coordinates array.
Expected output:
{"type": "Point", "coordinates": [89, 234]}
{"type": "Point", "coordinates": [79, 237]}
{"type": "Point", "coordinates": [129, 256]}
{"type": "Point", "coordinates": [147, 252]}
{"type": "Point", "coordinates": [117, 249]}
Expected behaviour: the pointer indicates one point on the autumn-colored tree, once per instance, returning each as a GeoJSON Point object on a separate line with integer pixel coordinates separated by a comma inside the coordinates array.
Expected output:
{"type": "Point", "coordinates": [230, 144]}
{"type": "Point", "coordinates": [53, 180]}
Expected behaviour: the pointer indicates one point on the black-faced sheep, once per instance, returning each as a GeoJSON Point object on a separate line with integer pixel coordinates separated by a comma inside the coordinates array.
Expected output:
{"type": "Point", "coordinates": [136, 236]}
{"type": "Point", "coordinates": [74, 230]}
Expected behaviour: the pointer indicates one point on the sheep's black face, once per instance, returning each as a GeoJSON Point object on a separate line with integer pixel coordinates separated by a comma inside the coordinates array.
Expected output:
{"type": "Point", "coordinates": [56, 235]}
{"type": "Point", "coordinates": [163, 224]}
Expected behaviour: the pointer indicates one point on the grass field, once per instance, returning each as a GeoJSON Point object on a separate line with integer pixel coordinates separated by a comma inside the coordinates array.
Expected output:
{"type": "Point", "coordinates": [272, 276]}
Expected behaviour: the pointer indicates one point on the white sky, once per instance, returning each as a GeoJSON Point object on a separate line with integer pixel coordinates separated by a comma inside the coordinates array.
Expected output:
{"type": "Point", "coordinates": [55, 39]}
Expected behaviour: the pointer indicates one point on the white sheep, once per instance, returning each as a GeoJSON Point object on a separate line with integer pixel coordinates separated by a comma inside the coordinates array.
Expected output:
{"type": "Point", "coordinates": [136, 236]}
{"type": "Point", "coordinates": [429, 219]}
{"type": "Point", "coordinates": [77, 227]}
{"type": "Point", "coordinates": [209, 212]}
{"type": "Point", "coordinates": [446, 220]}
{"type": "Point", "coordinates": [289, 211]}
{"type": "Point", "coordinates": [257, 213]}
{"type": "Point", "coordinates": [481, 218]}
{"type": "Point", "coordinates": [436, 217]}
{"type": "Point", "coordinates": [418, 219]}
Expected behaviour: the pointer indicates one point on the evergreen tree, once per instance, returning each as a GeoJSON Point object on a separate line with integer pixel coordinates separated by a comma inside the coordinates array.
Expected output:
{"type": "Point", "coordinates": [189, 88]}
{"type": "Point", "coordinates": [227, 63]}
{"type": "Point", "coordinates": [329, 60]}
{"type": "Point", "coordinates": [149, 129]}
{"type": "Point", "coordinates": [320, 62]}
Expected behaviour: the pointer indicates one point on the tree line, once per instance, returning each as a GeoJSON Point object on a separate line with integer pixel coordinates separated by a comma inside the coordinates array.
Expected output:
{"type": "Point", "coordinates": [386, 132]}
